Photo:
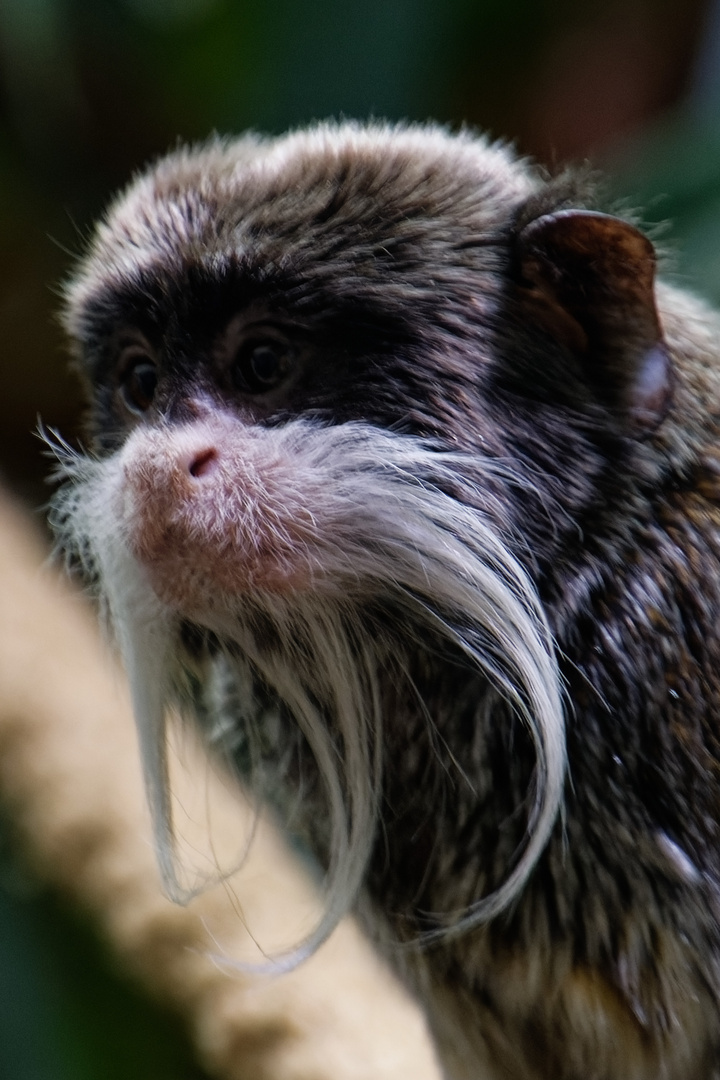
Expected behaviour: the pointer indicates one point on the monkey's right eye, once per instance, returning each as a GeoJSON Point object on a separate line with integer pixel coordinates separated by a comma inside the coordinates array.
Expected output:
{"type": "Point", "coordinates": [138, 383]}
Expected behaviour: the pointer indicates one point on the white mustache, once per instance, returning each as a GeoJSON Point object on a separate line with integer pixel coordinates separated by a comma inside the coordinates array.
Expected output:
{"type": "Point", "coordinates": [383, 517]}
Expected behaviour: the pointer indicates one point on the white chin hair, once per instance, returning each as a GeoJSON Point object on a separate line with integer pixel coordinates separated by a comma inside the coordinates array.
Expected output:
{"type": "Point", "coordinates": [383, 526]}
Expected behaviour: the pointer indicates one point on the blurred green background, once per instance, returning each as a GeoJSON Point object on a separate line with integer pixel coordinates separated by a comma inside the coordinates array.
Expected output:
{"type": "Point", "coordinates": [90, 89]}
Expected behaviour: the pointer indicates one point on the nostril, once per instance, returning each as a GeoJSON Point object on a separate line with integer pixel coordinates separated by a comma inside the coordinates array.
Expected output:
{"type": "Point", "coordinates": [203, 463]}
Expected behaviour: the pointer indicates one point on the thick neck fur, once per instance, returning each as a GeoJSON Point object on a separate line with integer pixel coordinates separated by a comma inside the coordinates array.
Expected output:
{"type": "Point", "coordinates": [628, 886]}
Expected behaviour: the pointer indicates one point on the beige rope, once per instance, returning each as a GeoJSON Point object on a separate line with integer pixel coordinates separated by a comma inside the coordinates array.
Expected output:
{"type": "Point", "coordinates": [69, 773]}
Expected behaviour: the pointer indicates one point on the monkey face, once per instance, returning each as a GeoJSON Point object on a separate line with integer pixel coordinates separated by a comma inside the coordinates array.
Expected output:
{"type": "Point", "coordinates": [398, 278]}
{"type": "Point", "coordinates": [247, 287]}
{"type": "Point", "coordinates": [338, 277]}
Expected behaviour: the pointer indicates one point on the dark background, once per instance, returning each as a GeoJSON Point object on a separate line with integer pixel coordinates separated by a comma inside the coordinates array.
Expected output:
{"type": "Point", "coordinates": [90, 89]}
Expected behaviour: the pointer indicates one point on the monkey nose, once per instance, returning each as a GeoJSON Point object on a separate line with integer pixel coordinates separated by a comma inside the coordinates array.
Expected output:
{"type": "Point", "coordinates": [202, 462]}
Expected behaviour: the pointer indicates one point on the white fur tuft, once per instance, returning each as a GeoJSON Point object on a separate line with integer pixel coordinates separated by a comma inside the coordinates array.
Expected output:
{"type": "Point", "coordinates": [383, 526]}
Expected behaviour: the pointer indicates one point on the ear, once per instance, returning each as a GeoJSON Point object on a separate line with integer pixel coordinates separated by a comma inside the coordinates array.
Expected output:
{"type": "Point", "coordinates": [588, 281]}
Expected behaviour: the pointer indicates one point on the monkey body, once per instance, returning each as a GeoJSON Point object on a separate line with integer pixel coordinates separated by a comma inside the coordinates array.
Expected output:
{"type": "Point", "coordinates": [399, 443]}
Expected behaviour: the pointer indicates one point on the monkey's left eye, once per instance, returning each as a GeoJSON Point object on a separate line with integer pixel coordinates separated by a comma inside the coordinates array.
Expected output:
{"type": "Point", "coordinates": [138, 383]}
{"type": "Point", "coordinates": [261, 365]}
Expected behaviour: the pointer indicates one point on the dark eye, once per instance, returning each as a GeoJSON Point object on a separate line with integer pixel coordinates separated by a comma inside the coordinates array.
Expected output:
{"type": "Point", "coordinates": [138, 383]}
{"type": "Point", "coordinates": [262, 365]}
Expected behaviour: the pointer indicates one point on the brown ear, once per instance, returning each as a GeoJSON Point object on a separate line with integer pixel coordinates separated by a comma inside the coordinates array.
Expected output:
{"type": "Point", "coordinates": [588, 280]}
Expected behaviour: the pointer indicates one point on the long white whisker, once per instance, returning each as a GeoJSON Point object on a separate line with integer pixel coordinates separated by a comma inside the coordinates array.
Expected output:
{"type": "Point", "coordinates": [389, 521]}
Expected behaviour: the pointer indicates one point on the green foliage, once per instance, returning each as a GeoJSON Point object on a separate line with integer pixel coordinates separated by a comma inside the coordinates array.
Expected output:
{"type": "Point", "coordinates": [65, 1012]}
{"type": "Point", "coordinates": [673, 174]}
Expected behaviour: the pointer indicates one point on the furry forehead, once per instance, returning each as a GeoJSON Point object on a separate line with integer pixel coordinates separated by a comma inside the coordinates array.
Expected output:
{"type": "Point", "coordinates": [373, 182]}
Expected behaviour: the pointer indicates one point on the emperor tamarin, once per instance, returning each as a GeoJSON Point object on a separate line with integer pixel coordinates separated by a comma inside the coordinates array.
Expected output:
{"type": "Point", "coordinates": [405, 481]}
